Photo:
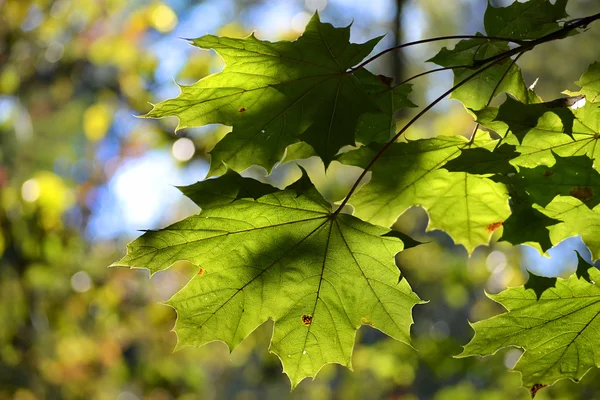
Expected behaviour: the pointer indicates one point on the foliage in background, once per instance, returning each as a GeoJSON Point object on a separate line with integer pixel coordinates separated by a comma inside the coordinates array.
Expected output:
{"type": "Point", "coordinates": [72, 74]}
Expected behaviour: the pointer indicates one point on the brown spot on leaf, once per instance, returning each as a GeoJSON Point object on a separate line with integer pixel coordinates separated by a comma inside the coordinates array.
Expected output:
{"type": "Point", "coordinates": [306, 320]}
{"type": "Point", "coordinates": [242, 109]}
{"type": "Point", "coordinates": [201, 271]}
{"type": "Point", "coordinates": [492, 227]}
{"type": "Point", "coordinates": [548, 173]}
{"type": "Point", "coordinates": [535, 388]}
{"type": "Point", "coordinates": [365, 321]}
{"type": "Point", "coordinates": [582, 193]}
{"type": "Point", "coordinates": [386, 80]}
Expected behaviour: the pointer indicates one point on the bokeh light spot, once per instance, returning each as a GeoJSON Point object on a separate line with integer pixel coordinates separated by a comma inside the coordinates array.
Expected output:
{"type": "Point", "coordinates": [96, 121]}
{"type": "Point", "coordinates": [183, 149]}
{"type": "Point", "coordinates": [54, 52]}
{"type": "Point", "coordinates": [511, 357]}
{"type": "Point", "coordinates": [313, 5]}
{"type": "Point", "coordinates": [299, 21]}
{"type": "Point", "coordinates": [81, 282]}
{"type": "Point", "coordinates": [30, 191]}
{"type": "Point", "coordinates": [163, 18]}
{"type": "Point", "coordinates": [496, 261]}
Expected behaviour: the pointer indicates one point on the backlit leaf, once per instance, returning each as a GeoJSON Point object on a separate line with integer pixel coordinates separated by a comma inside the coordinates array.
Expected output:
{"type": "Point", "coordinates": [560, 131]}
{"type": "Point", "coordinates": [590, 83]}
{"type": "Point", "coordinates": [468, 207]}
{"type": "Point", "coordinates": [319, 276]}
{"type": "Point", "coordinates": [276, 94]}
{"type": "Point", "coordinates": [577, 219]}
{"type": "Point", "coordinates": [476, 93]}
{"type": "Point", "coordinates": [557, 328]}
{"type": "Point", "coordinates": [570, 176]}
{"type": "Point", "coordinates": [530, 20]}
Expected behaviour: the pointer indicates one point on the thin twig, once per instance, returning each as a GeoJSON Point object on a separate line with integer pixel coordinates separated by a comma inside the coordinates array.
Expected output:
{"type": "Point", "coordinates": [431, 72]}
{"type": "Point", "coordinates": [558, 34]}
{"type": "Point", "coordinates": [491, 61]}
{"type": "Point", "coordinates": [435, 39]}
{"type": "Point", "coordinates": [405, 127]}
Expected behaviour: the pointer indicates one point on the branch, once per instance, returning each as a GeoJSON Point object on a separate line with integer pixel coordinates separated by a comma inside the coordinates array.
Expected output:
{"type": "Point", "coordinates": [435, 39]}
{"type": "Point", "coordinates": [513, 62]}
{"type": "Point", "coordinates": [431, 72]}
{"type": "Point", "coordinates": [405, 127]}
{"type": "Point", "coordinates": [558, 34]}
{"type": "Point", "coordinates": [491, 61]}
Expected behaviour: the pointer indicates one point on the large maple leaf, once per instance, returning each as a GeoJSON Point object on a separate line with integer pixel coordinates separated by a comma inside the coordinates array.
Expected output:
{"type": "Point", "coordinates": [553, 320]}
{"type": "Point", "coordinates": [276, 94]}
{"type": "Point", "coordinates": [318, 275]}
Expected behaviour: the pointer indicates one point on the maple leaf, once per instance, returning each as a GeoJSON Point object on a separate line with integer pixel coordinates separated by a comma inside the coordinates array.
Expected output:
{"type": "Point", "coordinates": [555, 323]}
{"type": "Point", "coordinates": [483, 161]}
{"type": "Point", "coordinates": [467, 207]}
{"type": "Point", "coordinates": [530, 20]}
{"type": "Point", "coordinates": [570, 176]}
{"type": "Point", "coordinates": [541, 134]}
{"type": "Point", "coordinates": [577, 219]}
{"type": "Point", "coordinates": [527, 225]}
{"type": "Point", "coordinates": [226, 189]}
{"type": "Point", "coordinates": [590, 83]}
{"type": "Point", "coordinates": [476, 93]}
{"type": "Point", "coordinates": [319, 276]}
{"type": "Point", "coordinates": [518, 21]}
{"type": "Point", "coordinates": [276, 94]}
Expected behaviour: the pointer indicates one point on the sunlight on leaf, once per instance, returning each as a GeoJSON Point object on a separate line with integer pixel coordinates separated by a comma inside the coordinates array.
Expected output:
{"type": "Point", "coordinates": [319, 276]}
{"type": "Point", "coordinates": [556, 326]}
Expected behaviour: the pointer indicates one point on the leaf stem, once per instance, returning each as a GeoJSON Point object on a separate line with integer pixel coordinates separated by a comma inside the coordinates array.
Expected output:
{"type": "Point", "coordinates": [435, 39]}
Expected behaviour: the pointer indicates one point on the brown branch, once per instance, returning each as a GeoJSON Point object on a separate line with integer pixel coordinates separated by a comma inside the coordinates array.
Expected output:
{"type": "Point", "coordinates": [436, 39]}
{"type": "Point", "coordinates": [491, 61]}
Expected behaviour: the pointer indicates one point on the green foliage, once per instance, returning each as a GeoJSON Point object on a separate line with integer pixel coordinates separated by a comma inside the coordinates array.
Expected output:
{"type": "Point", "coordinates": [590, 83]}
{"type": "Point", "coordinates": [319, 273]}
{"type": "Point", "coordinates": [477, 92]}
{"type": "Point", "coordinates": [530, 20]}
{"type": "Point", "coordinates": [468, 207]}
{"type": "Point", "coordinates": [557, 329]}
{"type": "Point", "coordinates": [570, 176]}
{"type": "Point", "coordinates": [274, 94]}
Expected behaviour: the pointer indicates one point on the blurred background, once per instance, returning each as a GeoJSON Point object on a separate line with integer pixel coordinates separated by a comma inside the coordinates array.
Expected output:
{"type": "Point", "coordinates": [80, 175]}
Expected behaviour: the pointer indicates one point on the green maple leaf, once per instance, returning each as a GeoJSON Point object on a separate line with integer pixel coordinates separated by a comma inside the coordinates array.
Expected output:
{"type": "Point", "coordinates": [226, 189]}
{"type": "Point", "coordinates": [319, 276]}
{"type": "Point", "coordinates": [530, 20]}
{"type": "Point", "coordinates": [556, 326]}
{"type": "Point", "coordinates": [276, 94]}
{"type": "Point", "coordinates": [380, 127]}
{"type": "Point", "coordinates": [520, 21]}
{"type": "Point", "coordinates": [298, 151]}
{"type": "Point", "coordinates": [526, 225]}
{"type": "Point", "coordinates": [520, 118]}
{"type": "Point", "coordinates": [570, 176]}
{"type": "Point", "coordinates": [482, 161]}
{"type": "Point", "coordinates": [577, 219]}
{"type": "Point", "coordinates": [559, 131]}
{"type": "Point", "coordinates": [476, 93]}
{"type": "Point", "coordinates": [590, 83]}
{"type": "Point", "coordinates": [468, 207]}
